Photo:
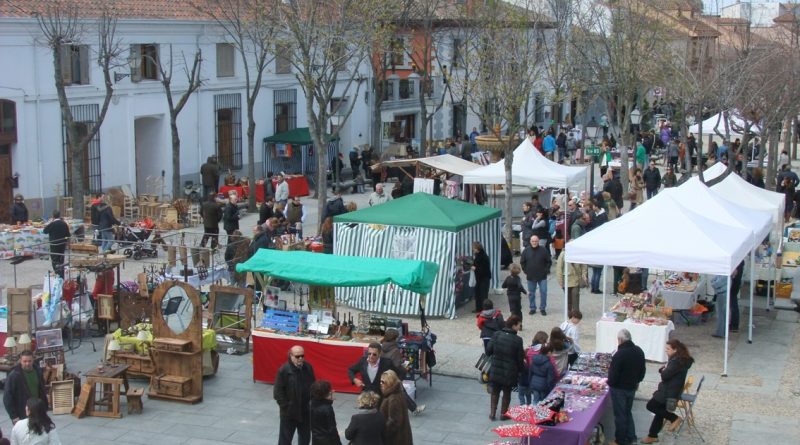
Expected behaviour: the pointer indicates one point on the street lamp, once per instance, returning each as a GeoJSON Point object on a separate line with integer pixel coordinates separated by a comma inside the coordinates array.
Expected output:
{"type": "Point", "coordinates": [636, 118]}
{"type": "Point", "coordinates": [592, 151]}
{"type": "Point", "coordinates": [133, 63]}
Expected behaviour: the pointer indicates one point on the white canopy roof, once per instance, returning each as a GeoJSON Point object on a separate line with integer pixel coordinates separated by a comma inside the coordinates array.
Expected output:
{"type": "Point", "coordinates": [663, 234]}
{"type": "Point", "coordinates": [697, 197]}
{"type": "Point", "coordinates": [717, 122]}
{"type": "Point", "coordinates": [445, 162]}
{"type": "Point", "coordinates": [734, 188]}
{"type": "Point", "coordinates": [530, 168]}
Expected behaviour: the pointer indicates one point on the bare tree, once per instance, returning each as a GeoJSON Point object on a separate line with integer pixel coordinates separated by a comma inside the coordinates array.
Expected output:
{"type": "Point", "coordinates": [327, 44]}
{"type": "Point", "coordinates": [193, 83]}
{"type": "Point", "coordinates": [250, 27]}
{"type": "Point", "coordinates": [502, 76]}
{"type": "Point", "coordinates": [556, 56]}
{"type": "Point", "coordinates": [65, 25]}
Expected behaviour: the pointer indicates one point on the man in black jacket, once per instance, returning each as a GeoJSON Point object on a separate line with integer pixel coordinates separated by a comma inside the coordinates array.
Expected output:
{"type": "Point", "coordinates": [230, 216]}
{"type": "Point", "coordinates": [292, 393]}
{"type": "Point", "coordinates": [58, 232]}
{"type": "Point", "coordinates": [24, 381]}
{"type": "Point", "coordinates": [624, 375]}
{"type": "Point", "coordinates": [652, 179]}
{"type": "Point", "coordinates": [614, 188]}
{"type": "Point", "coordinates": [105, 225]}
{"type": "Point", "coordinates": [212, 215]}
{"type": "Point", "coordinates": [535, 261]}
{"type": "Point", "coordinates": [209, 172]}
{"type": "Point", "coordinates": [370, 369]}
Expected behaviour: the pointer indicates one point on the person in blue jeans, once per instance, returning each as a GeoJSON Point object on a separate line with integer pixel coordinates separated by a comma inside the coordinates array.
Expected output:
{"type": "Point", "coordinates": [627, 370]}
{"type": "Point", "coordinates": [536, 262]}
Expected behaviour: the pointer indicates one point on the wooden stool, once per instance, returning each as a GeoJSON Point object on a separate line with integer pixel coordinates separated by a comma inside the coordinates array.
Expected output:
{"type": "Point", "coordinates": [134, 396]}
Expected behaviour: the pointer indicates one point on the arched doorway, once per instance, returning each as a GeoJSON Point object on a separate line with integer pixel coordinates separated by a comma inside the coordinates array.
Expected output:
{"type": "Point", "coordinates": [8, 138]}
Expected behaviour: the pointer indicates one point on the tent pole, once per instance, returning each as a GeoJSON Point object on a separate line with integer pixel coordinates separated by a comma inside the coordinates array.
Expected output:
{"type": "Point", "coordinates": [752, 286]}
{"type": "Point", "coordinates": [564, 252]}
{"type": "Point", "coordinates": [727, 327]}
{"type": "Point", "coordinates": [605, 269]}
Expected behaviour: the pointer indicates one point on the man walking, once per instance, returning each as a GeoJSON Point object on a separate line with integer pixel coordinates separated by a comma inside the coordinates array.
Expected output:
{"type": "Point", "coordinates": [624, 375]}
{"type": "Point", "coordinates": [652, 179]}
{"type": "Point", "coordinates": [535, 261]}
{"type": "Point", "coordinates": [209, 172]}
{"type": "Point", "coordinates": [230, 216]}
{"type": "Point", "coordinates": [212, 215]}
{"type": "Point", "coordinates": [292, 393]}
{"type": "Point", "coordinates": [24, 381]}
{"type": "Point", "coordinates": [58, 232]}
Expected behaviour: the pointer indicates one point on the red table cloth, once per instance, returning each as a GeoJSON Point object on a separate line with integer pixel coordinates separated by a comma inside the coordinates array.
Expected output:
{"type": "Point", "coordinates": [298, 185]}
{"type": "Point", "coordinates": [329, 358]}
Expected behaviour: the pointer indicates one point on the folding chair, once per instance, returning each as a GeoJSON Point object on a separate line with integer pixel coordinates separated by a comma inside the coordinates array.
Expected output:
{"type": "Point", "coordinates": [686, 406]}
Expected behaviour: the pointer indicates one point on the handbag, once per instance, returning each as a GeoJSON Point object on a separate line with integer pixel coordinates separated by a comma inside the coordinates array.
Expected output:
{"type": "Point", "coordinates": [484, 364]}
{"type": "Point", "coordinates": [672, 404]}
{"type": "Point", "coordinates": [472, 280]}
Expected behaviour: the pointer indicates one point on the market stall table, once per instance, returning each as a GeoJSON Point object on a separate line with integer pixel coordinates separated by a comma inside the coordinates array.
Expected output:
{"type": "Point", "coordinates": [329, 358]}
{"type": "Point", "coordinates": [578, 429]}
{"type": "Point", "coordinates": [298, 185]}
{"type": "Point", "coordinates": [683, 298]}
{"type": "Point", "coordinates": [24, 239]}
{"type": "Point", "coordinates": [651, 338]}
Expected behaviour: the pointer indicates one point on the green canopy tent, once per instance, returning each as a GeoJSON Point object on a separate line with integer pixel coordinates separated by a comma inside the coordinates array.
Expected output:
{"type": "Point", "coordinates": [292, 151]}
{"type": "Point", "coordinates": [420, 226]}
{"type": "Point", "coordinates": [342, 271]}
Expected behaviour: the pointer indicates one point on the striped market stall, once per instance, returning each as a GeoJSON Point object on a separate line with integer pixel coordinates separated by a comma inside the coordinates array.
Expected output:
{"type": "Point", "coordinates": [418, 227]}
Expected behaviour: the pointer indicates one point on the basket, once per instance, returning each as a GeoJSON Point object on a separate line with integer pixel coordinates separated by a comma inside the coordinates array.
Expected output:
{"type": "Point", "coordinates": [783, 290]}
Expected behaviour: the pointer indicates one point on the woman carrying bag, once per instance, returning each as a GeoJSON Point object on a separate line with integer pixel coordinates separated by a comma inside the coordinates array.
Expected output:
{"type": "Point", "coordinates": [664, 400]}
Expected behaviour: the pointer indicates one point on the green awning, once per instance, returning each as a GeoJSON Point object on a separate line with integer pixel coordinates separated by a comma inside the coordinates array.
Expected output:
{"type": "Point", "coordinates": [342, 271]}
{"type": "Point", "coordinates": [298, 136]}
{"type": "Point", "coordinates": [422, 210]}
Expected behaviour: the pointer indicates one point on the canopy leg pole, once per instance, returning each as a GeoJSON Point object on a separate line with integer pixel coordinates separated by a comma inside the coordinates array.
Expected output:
{"type": "Point", "coordinates": [564, 252]}
{"type": "Point", "coordinates": [605, 270]}
{"type": "Point", "coordinates": [752, 287]}
{"type": "Point", "coordinates": [727, 328]}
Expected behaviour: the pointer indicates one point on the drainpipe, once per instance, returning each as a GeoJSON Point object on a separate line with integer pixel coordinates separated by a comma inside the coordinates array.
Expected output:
{"type": "Point", "coordinates": [37, 95]}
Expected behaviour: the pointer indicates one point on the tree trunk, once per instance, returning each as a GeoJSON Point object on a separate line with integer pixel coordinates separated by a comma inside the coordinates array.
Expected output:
{"type": "Point", "coordinates": [787, 135]}
{"type": "Point", "coordinates": [251, 151]}
{"type": "Point", "coordinates": [176, 157]}
{"type": "Point", "coordinates": [424, 150]}
{"type": "Point", "coordinates": [509, 192]}
{"type": "Point", "coordinates": [794, 138]}
{"type": "Point", "coordinates": [377, 124]}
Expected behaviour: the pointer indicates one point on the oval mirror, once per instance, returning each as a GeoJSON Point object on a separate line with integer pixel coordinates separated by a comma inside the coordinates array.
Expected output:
{"type": "Point", "coordinates": [177, 309]}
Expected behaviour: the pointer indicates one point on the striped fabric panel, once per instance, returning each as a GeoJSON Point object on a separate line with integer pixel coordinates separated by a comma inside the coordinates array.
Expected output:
{"type": "Point", "coordinates": [438, 246]}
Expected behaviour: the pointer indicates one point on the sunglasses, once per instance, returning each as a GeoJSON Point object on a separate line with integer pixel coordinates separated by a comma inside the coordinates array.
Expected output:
{"type": "Point", "coordinates": [298, 356]}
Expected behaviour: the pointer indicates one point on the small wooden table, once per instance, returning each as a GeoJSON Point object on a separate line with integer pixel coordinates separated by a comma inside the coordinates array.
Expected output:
{"type": "Point", "coordinates": [111, 377]}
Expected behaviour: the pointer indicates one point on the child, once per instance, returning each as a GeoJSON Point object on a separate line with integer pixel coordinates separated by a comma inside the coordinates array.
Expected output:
{"type": "Point", "coordinates": [514, 290]}
{"type": "Point", "coordinates": [539, 340]}
{"type": "Point", "coordinates": [570, 328]}
{"type": "Point", "coordinates": [489, 321]}
{"type": "Point", "coordinates": [559, 346]}
{"type": "Point", "coordinates": [543, 374]}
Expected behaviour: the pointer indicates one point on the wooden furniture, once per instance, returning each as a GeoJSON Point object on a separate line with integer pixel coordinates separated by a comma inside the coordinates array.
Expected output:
{"type": "Point", "coordinates": [139, 365]}
{"type": "Point", "coordinates": [230, 312]}
{"type": "Point", "coordinates": [177, 344]}
{"type": "Point", "coordinates": [106, 385]}
{"type": "Point", "coordinates": [134, 396]}
{"type": "Point", "coordinates": [62, 396]}
{"type": "Point", "coordinates": [19, 311]}
{"type": "Point", "coordinates": [134, 308]}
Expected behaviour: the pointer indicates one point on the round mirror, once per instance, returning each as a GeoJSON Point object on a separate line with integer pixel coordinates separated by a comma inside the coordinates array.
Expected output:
{"type": "Point", "coordinates": [177, 309]}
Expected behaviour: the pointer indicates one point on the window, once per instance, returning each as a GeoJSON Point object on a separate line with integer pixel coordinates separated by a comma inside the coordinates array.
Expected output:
{"type": "Point", "coordinates": [457, 49]}
{"type": "Point", "coordinates": [225, 60]}
{"type": "Point", "coordinates": [338, 106]}
{"type": "Point", "coordinates": [538, 103]}
{"type": "Point", "coordinates": [8, 122]}
{"type": "Point", "coordinates": [285, 110]}
{"type": "Point", "coordinates": [147, 67]}
{"type": "Point", "coordinates": [406, 89]}
{"type": "Point", "coordinates": [75, 64]}
{"type": "Point", "coordinates": [85, 117]}
{"type": "Point", "coordinates": [228, 118]}
{"type": "Point", "coordinates": [396, 56]}
{"type": "Point", "coordinates": [338, 56]}
{"type": "Point", "coordinates": [283, 64]}
{"type": "Point", "coordinates": [388, 90]}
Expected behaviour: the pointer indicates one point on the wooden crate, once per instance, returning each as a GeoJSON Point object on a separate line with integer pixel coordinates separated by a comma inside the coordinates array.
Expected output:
{"type": "Point", "coordinates": [172, 344]}
{"type": "Point", "coordinates": [138, 363]}
{"type": "Point", "coordinates": [63, 396]}
{"type": "Point", "coordinates": [171, 385]}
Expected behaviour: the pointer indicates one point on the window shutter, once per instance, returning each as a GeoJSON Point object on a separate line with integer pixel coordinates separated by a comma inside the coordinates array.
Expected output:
{"type": "Point", "coordinates": [84, 55]}
{"type": "Point", "coordinates": [65, 59]}
{"type": "Point", "coordinates": [136, 53]}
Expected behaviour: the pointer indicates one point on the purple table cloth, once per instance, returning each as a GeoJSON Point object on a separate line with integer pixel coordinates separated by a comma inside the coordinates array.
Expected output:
{"type": "Point", "coordinates": [577, 430]}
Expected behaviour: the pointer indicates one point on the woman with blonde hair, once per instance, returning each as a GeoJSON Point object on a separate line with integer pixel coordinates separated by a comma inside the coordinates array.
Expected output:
{"type": "Point", "coordinates": [368, 426]}
{"type": "Point", "coordinates": [395, 411]}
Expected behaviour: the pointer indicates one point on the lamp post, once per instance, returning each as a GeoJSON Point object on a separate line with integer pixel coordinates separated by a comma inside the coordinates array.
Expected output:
{"type": "Point", "coordinates": [636, 119]}
{"type": "Point", "coordinates": [133, 63]}
{"type": "Point", "coordinates": [592, 151]}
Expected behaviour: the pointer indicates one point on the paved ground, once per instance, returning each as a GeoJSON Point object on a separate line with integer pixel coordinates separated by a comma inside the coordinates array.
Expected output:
{"type": "Point", "coordinates": [757, 401]}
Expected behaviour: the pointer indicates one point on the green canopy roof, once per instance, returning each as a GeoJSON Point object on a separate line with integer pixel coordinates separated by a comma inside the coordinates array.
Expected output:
{"type": "Point", "coordinates": [422, 210]}
{"type": "Point", "coordinates": [298, 136]}
{"type": "Point", "coordinates": [343, 271]}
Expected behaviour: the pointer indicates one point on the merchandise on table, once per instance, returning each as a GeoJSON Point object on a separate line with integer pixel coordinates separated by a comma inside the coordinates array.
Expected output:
{"type": "Point", "coordinates": [685, 282]}
{"type": "Point", "coordinates": [640, 308]}
{"type": "Point", "coordinates": [24, 240]}
{"type": "Point", "coordinates": [592, 364]}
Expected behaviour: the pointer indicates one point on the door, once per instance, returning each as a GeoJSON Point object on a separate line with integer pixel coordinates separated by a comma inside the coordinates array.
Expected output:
{"type": "Point", "coordinates": [6, 185]}
{"type": "Point", "coordinates": [153, 157]}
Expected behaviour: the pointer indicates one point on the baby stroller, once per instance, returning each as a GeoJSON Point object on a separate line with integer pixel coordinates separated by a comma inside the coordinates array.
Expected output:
{"type": "Point", "coordinates": [137, 244]}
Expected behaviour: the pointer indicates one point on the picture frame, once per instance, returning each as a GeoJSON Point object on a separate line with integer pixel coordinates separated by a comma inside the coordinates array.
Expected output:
{"type": "Point", "coordinates": [106, 309]}
{"type": "Point", "coordinates": [49, 339]}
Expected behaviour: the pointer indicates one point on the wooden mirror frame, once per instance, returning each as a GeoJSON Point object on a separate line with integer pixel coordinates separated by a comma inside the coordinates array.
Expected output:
{"type": "Point", "coordinates": [248, 310]}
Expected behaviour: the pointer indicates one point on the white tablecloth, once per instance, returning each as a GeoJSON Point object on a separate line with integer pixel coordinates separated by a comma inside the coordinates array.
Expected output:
{"type": "Point", "coordinates": [682, 300]}
{"type": "Point", "coordinates": [651, 339]}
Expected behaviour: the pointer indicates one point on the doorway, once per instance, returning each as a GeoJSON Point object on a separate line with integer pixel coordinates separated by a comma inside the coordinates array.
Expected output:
{"type": "Point", "coordinates": [6, 183]}
{"type": "Point", "coordinates": [153, 156]}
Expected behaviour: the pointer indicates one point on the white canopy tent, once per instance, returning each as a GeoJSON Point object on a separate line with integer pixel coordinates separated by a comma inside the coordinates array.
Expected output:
{"type": "Point", "coordinates": [688, 240]}
{"type": "Point", "coordinates": [446, 162]}
{"type": "Point", "coordinates": [716, 123]}
{"type": "Point", "coordinates": [529, 168]}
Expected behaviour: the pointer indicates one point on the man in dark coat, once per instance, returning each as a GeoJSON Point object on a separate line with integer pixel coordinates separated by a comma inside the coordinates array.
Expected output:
{"type": "Point", "coordinates": [19, 212]}
{"type": "Point", "coordinates": [230, 216]}
{"type": "Point", "coordinates": [95, 218]}
{"type": "Point", "coordinates": [369, 369]}
{"type": "Point", "coordinates": [292, 393]}
{"type": "Point", "coordinates": [535, 262]}
{"type": "Point", "coordinates": [652, 179]}
{"type": "Point", "coordinates": [334, 206]}
{"type": "Point", "coordinates": [624, 375]}
{"type": "Point", "coordinates": [212, 215]}
{"type": "Point", "coordinates": [58, 232]}
{"type": "Point", "coordinates": [508, 360]}
{"type": "Point", "coordinates": [614, 188]}
{"type": "Point", "coordinates": [105, 223]}
{"type": "Point", "coordinates": [210, 174]}
{"type": "Point", "coordinates": [261, 240]}
{"type": "Point", "coordinates": [24, 381]}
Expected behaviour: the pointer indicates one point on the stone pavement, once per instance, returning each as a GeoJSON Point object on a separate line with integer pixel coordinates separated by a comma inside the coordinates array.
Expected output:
{"type": "Point", "coordinates": [758, 400]}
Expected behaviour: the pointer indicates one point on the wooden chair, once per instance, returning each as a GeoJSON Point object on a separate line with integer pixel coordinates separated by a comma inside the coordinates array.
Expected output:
{"type": "Point", "coordinates": [134, 396]}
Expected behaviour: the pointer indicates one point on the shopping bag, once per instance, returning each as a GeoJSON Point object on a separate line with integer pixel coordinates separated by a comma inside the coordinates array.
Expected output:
{"type": "Point", "coordinates": [472, 280]}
